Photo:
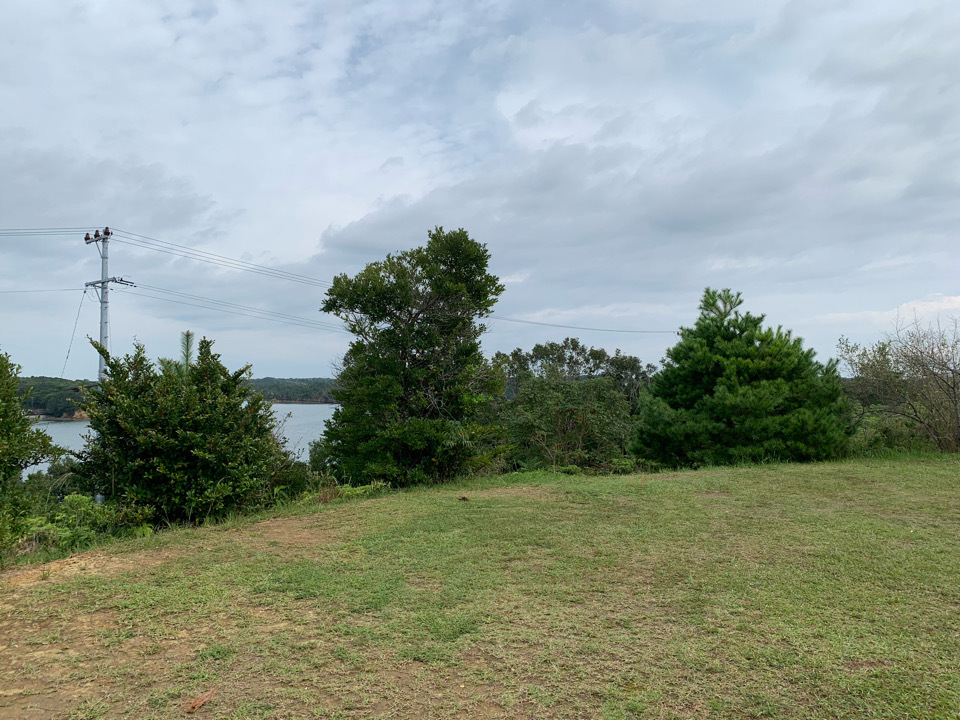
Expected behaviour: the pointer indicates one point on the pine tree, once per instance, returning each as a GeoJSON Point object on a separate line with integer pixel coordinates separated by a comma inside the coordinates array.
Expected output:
{"type": "Point", "coordinates": [733, 390]}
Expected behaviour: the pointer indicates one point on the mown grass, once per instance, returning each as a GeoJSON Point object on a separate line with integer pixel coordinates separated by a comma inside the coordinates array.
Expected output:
{"type": "Point", "coordinates": [785, 591]}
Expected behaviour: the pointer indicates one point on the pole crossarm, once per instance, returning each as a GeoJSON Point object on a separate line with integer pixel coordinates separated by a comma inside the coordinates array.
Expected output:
{"type": "Point", "coordinates": [103, 287]}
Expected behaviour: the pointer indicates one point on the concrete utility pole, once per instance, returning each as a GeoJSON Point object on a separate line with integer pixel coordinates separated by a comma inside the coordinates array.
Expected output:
{"type": "Point", "coordinates": [102, 287]}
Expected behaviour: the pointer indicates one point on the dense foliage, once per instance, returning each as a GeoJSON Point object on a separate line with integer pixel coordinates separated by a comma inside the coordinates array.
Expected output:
{"type": "Point", "coordinates": [568, 404]}
{"type": "Point", "coordinates": [555, 422]}
{"type": "Point", "coordinates": [414, 380]}
{"type": "Point", "coordinates": [571, 360]}
{"type": "Point", "coordinates": [189, 440]}
{"type": "Point", "coordinates": [911, 379]}
{"type": "Point", "coordinates": [734, 391]}
{"type": "Point", "coordinates": [295, 390]}
{"type": "Point", "coordinates": [21, 446]}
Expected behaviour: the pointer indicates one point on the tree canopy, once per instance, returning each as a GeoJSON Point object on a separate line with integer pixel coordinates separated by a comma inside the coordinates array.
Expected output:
{"type": "Point", "coordinates": [571, 360]}
{"type": "Point", "coordinates": [414, 379]}
{"type": "Point", "coordinates": [733, 390]}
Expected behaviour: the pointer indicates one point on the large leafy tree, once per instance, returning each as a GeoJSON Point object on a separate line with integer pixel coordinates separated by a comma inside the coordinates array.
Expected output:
{"type": "Point", "coordinates": [189, 439]}
{"type": "Point", "coordinates": [552, 421]}
{"type": "Point", "coordinates": [733, 390]}
{"type": "Point", "coordinates": [414, 380]}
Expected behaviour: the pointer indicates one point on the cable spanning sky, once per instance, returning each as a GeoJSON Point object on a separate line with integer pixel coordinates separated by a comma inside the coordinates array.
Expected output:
{"type": "Point", "coordinates": [615, 157]}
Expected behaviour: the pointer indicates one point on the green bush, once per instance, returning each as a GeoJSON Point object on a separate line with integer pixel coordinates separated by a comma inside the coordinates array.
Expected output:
{"type": "Point", "coordinates": [552, 422]}
{"type": "Point", "coordinates": [190, 440]}
{"type": "Point", "coordinates": [21, 446]}
{"type": "Point", "coordinates": [77, 522]}
{"type": "Point", "coordinates": [880, 433]}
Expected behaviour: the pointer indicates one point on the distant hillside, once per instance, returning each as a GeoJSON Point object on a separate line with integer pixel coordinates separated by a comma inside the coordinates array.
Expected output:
{"type": "Point", "coordinates": [52, 396]}
{"type": "Point", "coordinates": [305, 390]}
{"type": "Point", "coordinates": [57, 397]}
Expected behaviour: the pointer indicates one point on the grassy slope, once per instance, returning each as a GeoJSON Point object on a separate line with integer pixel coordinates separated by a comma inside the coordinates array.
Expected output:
{"type": "Point", "coordinates": [792, 591]}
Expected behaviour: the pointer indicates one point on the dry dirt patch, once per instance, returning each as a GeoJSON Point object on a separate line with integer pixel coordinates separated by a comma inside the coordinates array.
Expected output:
{"type": "Point", "coordinates": [291, 532]}
{"type": "Point", "coordinates": [93, 562]}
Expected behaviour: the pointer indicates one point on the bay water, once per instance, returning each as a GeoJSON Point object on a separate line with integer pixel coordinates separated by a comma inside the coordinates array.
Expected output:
{"type": "Point", "coordinates": [299, 423]}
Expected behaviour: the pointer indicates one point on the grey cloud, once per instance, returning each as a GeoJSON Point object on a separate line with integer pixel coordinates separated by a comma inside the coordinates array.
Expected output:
{"type": "Point", "coordinates": [624, 154]}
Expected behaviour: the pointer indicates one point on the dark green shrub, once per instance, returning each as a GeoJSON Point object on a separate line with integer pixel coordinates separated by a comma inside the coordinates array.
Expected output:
{"type": "Point", "coordinates": [189, 440]}
{"type": "Point", "coordinates": [21, 446]}
{"type": "Point", "coordinates": [881, 433]}
{"type": "Point", "coordinates": [78, 521]}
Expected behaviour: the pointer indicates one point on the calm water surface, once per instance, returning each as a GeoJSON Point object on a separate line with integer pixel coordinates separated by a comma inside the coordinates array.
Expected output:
{"type": "Point", "coordinates": [300, 424]}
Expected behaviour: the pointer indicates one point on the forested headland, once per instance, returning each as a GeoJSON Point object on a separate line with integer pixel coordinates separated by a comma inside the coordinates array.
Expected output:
{"type": "Point", "coordinates": [58, 397]}
{"type": "Point", "coordinates": [296, 390]}
{"type": "Point", "coordinates": [52, 397]}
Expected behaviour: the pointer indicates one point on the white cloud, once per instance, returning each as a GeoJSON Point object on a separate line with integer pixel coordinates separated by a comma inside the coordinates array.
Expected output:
{"type": "Point", "coordinates": [616, 158]}
{"type": "Point", "coordinates": [926, 310]}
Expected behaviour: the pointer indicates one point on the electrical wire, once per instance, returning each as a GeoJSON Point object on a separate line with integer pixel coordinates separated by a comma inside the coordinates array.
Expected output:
{"type": "Point", "coordinates": [30, 232]}
{"type": "Point", "coordinates": [237, 306]}
{"type": "Point", "coordinates": [150, 243]}
{"type": "Point", "coordinates": [301, 322]}
{"type": "Point", "coordinates": [6, 292]}
{"type": "Point", "coordinates": [578, 327]}
{"type": "Point", "coordinates": [222, 257]}
{"type": "Point", "coordinates": [73, 334]}
{"type": "Point", "coordinates": [169, 248]}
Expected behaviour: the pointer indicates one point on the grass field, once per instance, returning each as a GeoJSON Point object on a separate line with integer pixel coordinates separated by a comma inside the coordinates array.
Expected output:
{"type": "Point", "coordinates": [781, 591]}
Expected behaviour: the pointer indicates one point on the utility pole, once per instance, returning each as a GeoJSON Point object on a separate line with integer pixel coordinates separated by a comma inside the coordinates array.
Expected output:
{"type": "Point", "coordinates": [102, 287]}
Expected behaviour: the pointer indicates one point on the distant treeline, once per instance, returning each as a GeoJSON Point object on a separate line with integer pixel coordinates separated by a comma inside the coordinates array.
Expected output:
{"type": "Point", "coordinates": [305, 390]}
{"type": "Point", "coordinates": [57, 397]}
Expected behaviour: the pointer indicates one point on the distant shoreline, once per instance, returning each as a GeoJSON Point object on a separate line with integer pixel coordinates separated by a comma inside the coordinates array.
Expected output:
{"type": "Point", "coordinates": [303, 402]}
{"type": "Point", "coordinates": [51, 418]}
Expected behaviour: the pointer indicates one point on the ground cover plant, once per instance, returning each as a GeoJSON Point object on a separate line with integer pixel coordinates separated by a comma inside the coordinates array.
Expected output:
{"type": "Point", "coordinates": [789, 591]}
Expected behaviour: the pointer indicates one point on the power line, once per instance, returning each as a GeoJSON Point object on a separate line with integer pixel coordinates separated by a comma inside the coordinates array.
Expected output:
{"type": "Point", "coordinates": [30, 232]}
{"type": "Point", "coordinates": [302, 322]}
{"type": "Point", "coordinates": [225, 303]}
{"type": "Point", "coordinates": [577, 327]}
{"type": "Point", "coordinates": [150, 243]}
{"type": "Point", "coordinates": [278, 275]}
{"type": "Point", "coordinates": [6, 292]}
{"type": "Point", "coordinates": [168, 248]}
{"type": "Point", "coordinates": [224, 257]}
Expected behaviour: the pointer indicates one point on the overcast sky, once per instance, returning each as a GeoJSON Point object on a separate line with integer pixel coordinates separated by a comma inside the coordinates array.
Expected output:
{"type": "Point", "coordinates": [616, 158]}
